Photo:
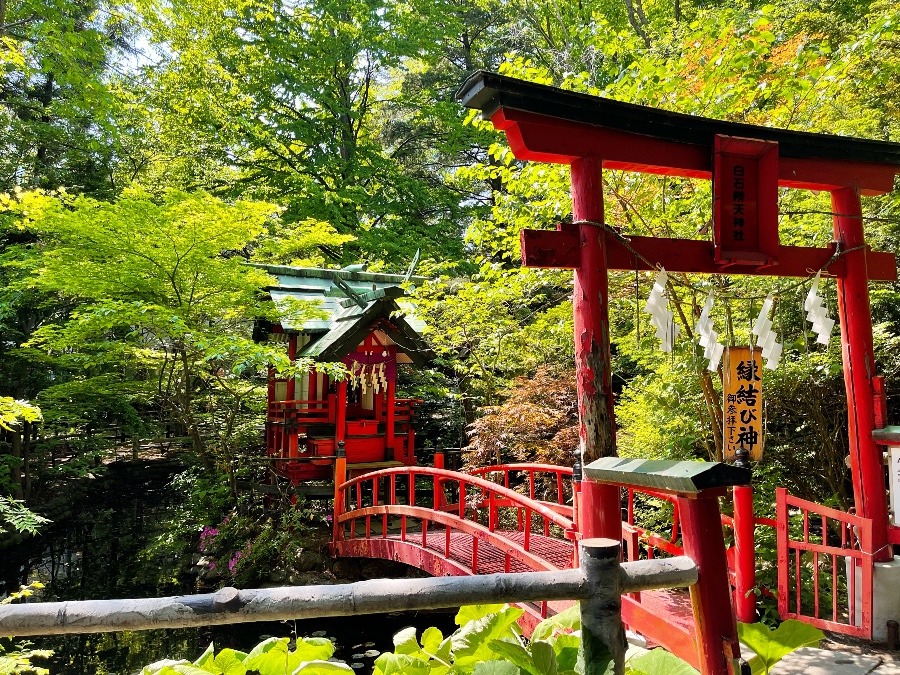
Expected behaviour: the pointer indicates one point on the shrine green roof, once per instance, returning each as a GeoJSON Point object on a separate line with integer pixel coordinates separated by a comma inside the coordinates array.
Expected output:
{"type": "Point", "coordinates": [352, 303]}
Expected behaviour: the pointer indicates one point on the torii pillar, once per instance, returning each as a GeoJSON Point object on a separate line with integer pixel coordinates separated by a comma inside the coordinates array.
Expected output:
{"type": "Point", "coordinates": [600, 508]}
{"type": "Point", "coordinates": [747, 165]}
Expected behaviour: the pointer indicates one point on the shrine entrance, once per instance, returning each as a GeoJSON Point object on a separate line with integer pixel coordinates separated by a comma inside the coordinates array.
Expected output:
{"type": "Point", "coordinates": [747, 165]}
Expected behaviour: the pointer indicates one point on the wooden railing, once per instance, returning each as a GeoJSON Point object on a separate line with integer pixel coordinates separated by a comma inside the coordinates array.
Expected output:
{"type": "Point", "coordinates": [825, 566]}
{"type": "Point", "coordinates": [598, 584]}
{"type": "Point", "coordinates": [547, 483]}
{"type": "Point", "coordinates": [427, 501]}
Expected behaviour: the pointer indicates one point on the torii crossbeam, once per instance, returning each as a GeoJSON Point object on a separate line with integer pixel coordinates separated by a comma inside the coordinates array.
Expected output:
{"type": "Point", "coordinates": [747, 165]}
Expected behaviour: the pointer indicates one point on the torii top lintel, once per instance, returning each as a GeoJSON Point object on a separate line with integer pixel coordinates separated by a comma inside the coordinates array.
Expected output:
{"type": "Point", "coordinates": [548, 124]}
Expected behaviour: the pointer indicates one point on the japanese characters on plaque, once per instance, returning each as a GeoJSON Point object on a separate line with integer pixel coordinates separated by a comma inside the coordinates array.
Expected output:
{"type": "Point", "coordinates": [737, 202]}
{"type": "Point", "coordinates": [742, 404]}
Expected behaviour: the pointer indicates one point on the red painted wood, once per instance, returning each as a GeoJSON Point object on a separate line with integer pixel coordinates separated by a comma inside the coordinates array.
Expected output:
{"type": "Point", "coordinates": [667, 616]}
{"type": "Point", "coordinates": [894, 535]}
{"type": "Point", "coordinates": [340, 424]}
{"type": "Point", "coordinates": [542, 138]}
{"type": "Point", "coordinates": [856, 537]}
{"type": "Point", "coordinates": [711, 595]}
{"type": "Point", "coordinates": [745, 200]}
{"type": "Point", "coordinates": [600, 504]}
{"type": "Point", "coordinates": [745, 554]}
{"type": "Point", "coordinates": [468, 485]}
{"type": "Point", "coordinates": [858, 354]}
{"type": "Point", "coordinates": [555, 249]}
{"type": "Point", "coordinates": [390, 417]}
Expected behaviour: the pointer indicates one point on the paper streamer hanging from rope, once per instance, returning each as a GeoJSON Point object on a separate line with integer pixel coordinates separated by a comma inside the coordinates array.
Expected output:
{"type": "Point", "coordinates": [762, 329]}
{"type": "Point", "coordinates": [709, 338]}
{"type": "Point", "coordinates": [817, 313]}
{"type": "Point", "coordinates": [660, 316]}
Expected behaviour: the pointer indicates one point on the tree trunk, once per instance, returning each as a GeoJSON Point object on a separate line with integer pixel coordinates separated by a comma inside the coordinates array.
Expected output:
{"type": "Point", "coordinates": [16, 468]}
{"type": "Point", "coordinates": [27, 432]}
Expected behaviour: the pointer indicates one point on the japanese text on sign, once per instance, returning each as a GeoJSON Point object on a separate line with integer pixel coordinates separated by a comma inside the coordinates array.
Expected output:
{"type": "Point", "coordinates": [737, 202]}
{"type": "Point", "coordinates": [742, 405]}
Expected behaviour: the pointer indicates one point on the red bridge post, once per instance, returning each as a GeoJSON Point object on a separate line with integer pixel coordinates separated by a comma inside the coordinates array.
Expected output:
{"type": "Point", "coordinates": [701, 531]}
{"type": "Point", "coordinates": [744, 554]}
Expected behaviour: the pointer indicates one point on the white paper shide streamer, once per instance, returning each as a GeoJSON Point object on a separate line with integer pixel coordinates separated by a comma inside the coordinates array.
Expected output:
{"type": "Point", "coordinates": [817, 314]}
{"type": "Point", "coordinates": [766, 338]}
{"type": "Point", "coordinates": [660, 316]}
{"type": "Point", "coordinates": [709, 338]}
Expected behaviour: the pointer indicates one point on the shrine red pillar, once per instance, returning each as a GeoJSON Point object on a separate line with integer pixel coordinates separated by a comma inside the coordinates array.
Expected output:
{"type": "Point", "coordinates": [600, 507]}
{"type": "Point", "coordinates": [866, 462]}
{"type": "Point", "coordinates": [389, 421]}
{"type": "Point", "coordinates": [340, 422]}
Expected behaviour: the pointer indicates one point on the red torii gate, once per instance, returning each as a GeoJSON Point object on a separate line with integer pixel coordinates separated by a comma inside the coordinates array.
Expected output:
{"type": "Point", "coordinates": [547, 124]}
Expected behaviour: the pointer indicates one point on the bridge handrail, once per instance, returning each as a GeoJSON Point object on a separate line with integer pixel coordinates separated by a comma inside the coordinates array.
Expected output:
{"type": "Point", "coordinates": [532, 469]}
{"type": "Point", "coordinates": [466, 526]}
{"type": "Point", "coordinates": [463, 478]}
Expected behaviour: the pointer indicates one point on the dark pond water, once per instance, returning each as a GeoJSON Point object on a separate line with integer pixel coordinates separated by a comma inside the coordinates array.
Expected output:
{"type": "Point", "coordinates": [95, 555]}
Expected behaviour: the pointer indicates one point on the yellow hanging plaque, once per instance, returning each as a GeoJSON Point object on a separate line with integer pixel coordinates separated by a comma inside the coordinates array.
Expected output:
{"type": "Point", "coordinates": [742, 405]}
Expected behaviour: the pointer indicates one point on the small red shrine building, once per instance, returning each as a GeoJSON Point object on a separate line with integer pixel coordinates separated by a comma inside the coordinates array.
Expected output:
{"type": "Point", "coordinates": [311, 418]}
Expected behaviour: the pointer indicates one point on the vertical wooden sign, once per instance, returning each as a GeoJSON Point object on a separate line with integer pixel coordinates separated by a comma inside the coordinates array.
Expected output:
{"type": "Point", "coordinates": [745, 201]}
{"type": "Point", "coordinates": [742, 404]}
{"type": "Point", "coordinates": [894, 478]}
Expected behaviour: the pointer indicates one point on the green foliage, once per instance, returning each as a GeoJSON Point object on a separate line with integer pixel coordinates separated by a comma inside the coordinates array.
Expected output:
{"type": "Point", "coordinates": [770, 646]}
{"type": "Point", "coordinates": [14, 513]}
{"type": "Point", "coordinates": [658, 661]}
{"type": "Point", "coordinates": [13, 411]}
{"type": "Point", "coordinates": [309, 656]}
{"type": "Point", "coordinates": [15, 657]}
{"type": "Point", "coordinates": [487, 642]}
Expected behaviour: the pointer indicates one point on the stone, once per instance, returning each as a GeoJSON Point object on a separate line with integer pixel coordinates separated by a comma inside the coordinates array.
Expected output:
{"type": "Point", "coordinates": [813, 661]}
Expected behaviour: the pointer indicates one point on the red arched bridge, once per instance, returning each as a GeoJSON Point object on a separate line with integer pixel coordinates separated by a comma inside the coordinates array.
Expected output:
{"type": "Point", "coordinates": [528, 517]}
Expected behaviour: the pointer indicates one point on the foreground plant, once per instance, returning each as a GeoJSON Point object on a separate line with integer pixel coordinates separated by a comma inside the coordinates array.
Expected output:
{"type": "Point", "coordinates": [487, 642]}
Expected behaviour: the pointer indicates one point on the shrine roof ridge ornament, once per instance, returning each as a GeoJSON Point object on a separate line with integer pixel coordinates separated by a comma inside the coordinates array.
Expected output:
{"type": "Point", "coordinates": [490, 92]}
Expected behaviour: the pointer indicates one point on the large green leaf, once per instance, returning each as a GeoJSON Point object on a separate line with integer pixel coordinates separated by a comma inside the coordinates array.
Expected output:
{"type": "Point", "coordinates": [517, 654]}
{"type": "Point", "coordinates": [314, 649]}
{"type": "Point", "coordinates": [565, 622]}
{"type": "Point", "coordinates": [544, 657]}
{"type": "Point", "coordinates": [496, 668]}
{"type": "Point", "coordinates": [435, 646]}
{"type": "Point", "coordinates": [405, 641]}
{"type": "Point", "coordinates": [228, 662]}
{"type": "Point", "coordinates": [400, 664]}
{"type": "Point", "coordinates": [262, 647]}
{"type": "Point", "coordinates": [206, 657]}
{"type": "Point", "coordinates": [273, 659]}
{"type": "Point", "coordinates": [659, 661]}
{"type": "Point", "coordinates": [474, 612]}
{"type": "Point", "coordinates": [566, 647]}
{"type": "Point", "coordinates": [471, 642]}
{"type": "Point", "coordinates": [771, 646]}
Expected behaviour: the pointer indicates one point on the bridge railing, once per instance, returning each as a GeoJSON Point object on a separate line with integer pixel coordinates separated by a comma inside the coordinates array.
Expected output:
{"type": "Point", "coordinates": [412, 504]}
{"type": "Point", "coordinates": [546, 483]}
